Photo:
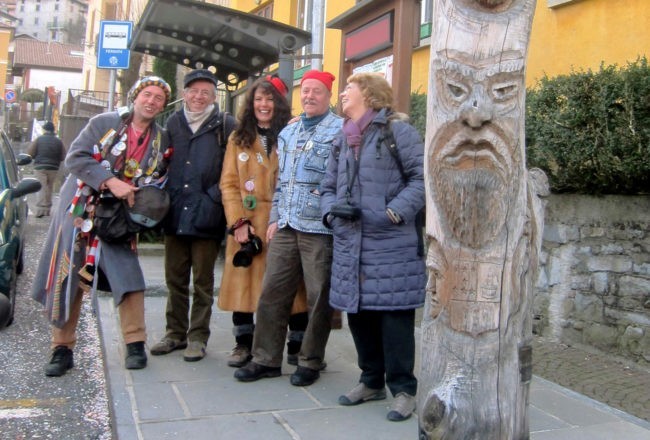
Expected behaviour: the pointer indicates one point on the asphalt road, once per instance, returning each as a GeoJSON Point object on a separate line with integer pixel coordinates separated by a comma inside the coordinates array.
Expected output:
{"type": "Point", "coordinates": [33, 406]}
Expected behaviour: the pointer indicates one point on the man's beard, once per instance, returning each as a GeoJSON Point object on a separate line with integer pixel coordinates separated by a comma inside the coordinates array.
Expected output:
{"type": "Point", "coordinates": [472, 202]}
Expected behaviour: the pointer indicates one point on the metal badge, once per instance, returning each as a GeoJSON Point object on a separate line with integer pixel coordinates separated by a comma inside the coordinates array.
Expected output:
{"type": "Point", "coordinates": [90, 208]}
{"type": "Point", "coordinates": [121, 146]}
{"type": "Point", "coordinates": [106, 164]}
{"type": "Point", "coordinates": [250, 202]}
{"type": "Point", "coordinates": [77, 222]}
{"type": "Point", "coordinates": [86, 225]}
{"type": "Point", "coordinates": [130, 168]}
{"type": "Point", "coordinates": [123, 138]}
{"type": "Point", "coordinates": [308, 145]}
{"type": "Point", "coordinates": [115, 151]}
{"type": "Point", "coordinates": [243, 157]}
{"type": "Point", "coordinates": [249, 185]}
{"type": "Point", "coordinates": [86, 191]}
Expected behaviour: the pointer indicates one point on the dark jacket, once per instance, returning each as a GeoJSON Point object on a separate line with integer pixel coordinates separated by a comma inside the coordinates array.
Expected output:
{"type": "Point", "coordinates": [376, 265]}
{"type": "Point", "coordinates": [194, 174]}
{"type": "Point", "coordinates": [47, 151]}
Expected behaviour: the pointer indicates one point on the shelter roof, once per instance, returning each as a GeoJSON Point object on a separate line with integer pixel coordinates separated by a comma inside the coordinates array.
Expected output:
{"type": "Point", "coordinates": [29, 52]}
{"type": "Point", "coordinates": [232, 44]}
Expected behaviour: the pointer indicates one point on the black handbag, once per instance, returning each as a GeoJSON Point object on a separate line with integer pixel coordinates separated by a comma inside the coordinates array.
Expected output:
{"type": "Point", "coordinates": [116, 222]}
{"type": "Point", "coordinates": [111, 222]}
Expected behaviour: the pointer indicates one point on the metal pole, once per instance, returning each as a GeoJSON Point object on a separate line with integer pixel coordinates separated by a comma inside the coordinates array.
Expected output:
{"type": "Point", "coordinates": [285, 70]}
{"type": "Point", "coordinates": [111, 89]}
{"type": "Point", "coordinates": [317, 37]}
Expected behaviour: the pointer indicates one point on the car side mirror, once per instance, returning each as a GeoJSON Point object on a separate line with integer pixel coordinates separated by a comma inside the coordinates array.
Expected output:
{"type": "Point", "coordinates": [26, 186]}
{"type": "Point", "coordinates": [23, 159]}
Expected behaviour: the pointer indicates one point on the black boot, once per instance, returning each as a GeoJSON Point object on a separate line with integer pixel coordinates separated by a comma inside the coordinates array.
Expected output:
{"type": "Point", "coordinates": [136, 358]}
{"type": "Point", "coordinates": [60, 362]}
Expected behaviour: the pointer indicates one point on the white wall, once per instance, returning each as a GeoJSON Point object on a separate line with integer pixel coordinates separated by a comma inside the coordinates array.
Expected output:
{"type": "Point", "coordinates": [62, 81]}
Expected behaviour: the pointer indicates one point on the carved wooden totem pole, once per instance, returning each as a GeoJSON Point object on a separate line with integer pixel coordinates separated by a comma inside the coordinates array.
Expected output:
{"type": "Point", "coordinates": [484, 224]}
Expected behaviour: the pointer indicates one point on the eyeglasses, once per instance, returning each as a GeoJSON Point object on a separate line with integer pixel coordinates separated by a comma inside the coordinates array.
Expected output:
{"type": "Point", "coordinates": [201, 92]}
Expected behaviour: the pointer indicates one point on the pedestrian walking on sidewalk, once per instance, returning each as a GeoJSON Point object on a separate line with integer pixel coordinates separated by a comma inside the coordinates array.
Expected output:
{"type": "Point", "coordinates": [102, 159]}
{"type": "Point", "coordinates": [195, 224]}
{"type": "Point", "coordinates": [299, 245]}
{"type": "Point", "coordinates": [378, 276]}
{"type": "Point", "coordinates": [48, 153]}
{"type": "Point", "coordinates": [250, 171]}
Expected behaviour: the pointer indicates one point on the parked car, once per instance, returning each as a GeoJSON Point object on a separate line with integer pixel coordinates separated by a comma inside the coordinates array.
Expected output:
{"type": "Point", "coordinates": [13, 216]}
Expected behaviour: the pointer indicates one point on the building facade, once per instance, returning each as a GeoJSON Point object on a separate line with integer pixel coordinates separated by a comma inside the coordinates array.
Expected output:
{"type": "Point", "coordinates": [63, 21]}
{"type": "Point", "coordinates": [566, 35]}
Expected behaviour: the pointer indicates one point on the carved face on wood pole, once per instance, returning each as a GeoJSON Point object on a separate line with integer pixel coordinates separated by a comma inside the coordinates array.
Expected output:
{"type": "Point", "coordinates": [476, 155]}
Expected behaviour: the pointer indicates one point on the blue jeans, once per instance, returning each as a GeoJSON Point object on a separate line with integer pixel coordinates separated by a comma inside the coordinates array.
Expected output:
{"type": "Point", "coordinates": [294, 255]}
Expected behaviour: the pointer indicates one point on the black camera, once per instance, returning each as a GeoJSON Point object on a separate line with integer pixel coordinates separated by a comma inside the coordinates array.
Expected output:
{"type": "Point", "coordinates": [346, 211]}
{"type": "Point", "coordinates": [244, 256]}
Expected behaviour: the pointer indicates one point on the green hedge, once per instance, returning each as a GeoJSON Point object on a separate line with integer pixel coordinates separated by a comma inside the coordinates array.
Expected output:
{"type": "Point", "coordinates": [590, 131]}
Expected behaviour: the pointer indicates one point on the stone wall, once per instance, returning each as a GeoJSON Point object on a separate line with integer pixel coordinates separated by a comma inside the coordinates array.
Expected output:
{"type": "Point", "coordinates": [594, 280]}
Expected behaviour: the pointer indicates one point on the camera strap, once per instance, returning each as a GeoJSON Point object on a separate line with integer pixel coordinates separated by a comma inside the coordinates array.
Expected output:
{"type": "Point", "coordinates": [355, 171]}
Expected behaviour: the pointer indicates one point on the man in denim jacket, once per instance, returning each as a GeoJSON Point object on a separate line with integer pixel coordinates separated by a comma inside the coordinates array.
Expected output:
{"type": "Point", "coordinates": [299, 245]}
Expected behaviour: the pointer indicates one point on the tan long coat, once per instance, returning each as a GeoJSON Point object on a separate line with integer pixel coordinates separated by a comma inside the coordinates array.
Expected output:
{"type": "Point", "coordinates": [241, 286]}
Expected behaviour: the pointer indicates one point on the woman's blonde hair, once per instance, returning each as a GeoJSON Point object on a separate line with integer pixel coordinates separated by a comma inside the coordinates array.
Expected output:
{"type": "Point", "coordinates": [374, 88]}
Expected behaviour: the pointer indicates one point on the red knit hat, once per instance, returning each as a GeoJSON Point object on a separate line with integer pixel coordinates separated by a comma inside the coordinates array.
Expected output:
{"type": "Point", "coordinates": [324, 77]}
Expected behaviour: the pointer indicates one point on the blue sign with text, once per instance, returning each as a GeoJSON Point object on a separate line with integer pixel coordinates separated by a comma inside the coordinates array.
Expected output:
{"type": "Point", "coordinates": [113, 51]}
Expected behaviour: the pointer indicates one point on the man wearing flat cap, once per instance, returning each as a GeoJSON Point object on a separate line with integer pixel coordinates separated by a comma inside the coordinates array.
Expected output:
{"type": "Point", "coordinates": [195, 224]}
{"type": "Point", "coordinates": [299, 244]}
{"type": "Point", "coordinates": [111, 153]}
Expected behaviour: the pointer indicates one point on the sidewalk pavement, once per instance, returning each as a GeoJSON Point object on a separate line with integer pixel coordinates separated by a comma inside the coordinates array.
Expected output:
{"type": "Point", "coordinates": [173, 399]}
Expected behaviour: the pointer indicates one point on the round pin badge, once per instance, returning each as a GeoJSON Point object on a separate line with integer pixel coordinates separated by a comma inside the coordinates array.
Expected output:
{"type": "Point", "coordinates": [123, 138]}
{"type": "Point", "coordinates": [78, 222]}
{"type": "Point", "coordinates": [115, 151]}
{"type": "Point", "coordinates": [249, 185]}
{"type": "Point", "coordinates": [86, 191]}
{"type": "Point", "coordinates": [250, 202]}
{"type": "Point", "coordinates": [243, 157]}
{"type": "Point", "coordinates": [121, 146]}
{"type": "Point", "coordinates": [86, 225]}
{"type": "Point", "coordinates": [90, 208]}
{"type": "Point", "coordinates": [106, 164]}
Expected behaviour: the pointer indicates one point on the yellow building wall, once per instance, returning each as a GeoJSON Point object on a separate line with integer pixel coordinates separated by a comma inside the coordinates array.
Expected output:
{"type": "Point", "coordinates": [5, 38]}
{"type": "Point", "coordinates": [582, 34]}
{"type": "Point", "coordinates": [286, 11]}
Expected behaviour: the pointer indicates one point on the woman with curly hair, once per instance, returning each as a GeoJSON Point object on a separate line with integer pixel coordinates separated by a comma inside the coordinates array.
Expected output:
{"type": "Point", "coordinates": [248, 180]}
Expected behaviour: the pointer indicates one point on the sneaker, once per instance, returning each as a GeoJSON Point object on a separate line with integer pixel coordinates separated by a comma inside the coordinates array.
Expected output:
{"type": "Point", "coordinates": [304, 376]}
{"type": "Point", "coordinates": [253, 371]}
{"type": "Point", "coordinates": [167, 345]}
{"type": "Point", "coordinates": [239, 356]}
{"type": "Point", "coordinates": [402, 407]}
{"type": "Point", "coordinates": [194, 352]}
{"type": "Point", "coordinates": [361, 393]}
{"type": "Point", "coordinates": [136, 357]}
{"type": "Point", "coordinates": [60, 362]}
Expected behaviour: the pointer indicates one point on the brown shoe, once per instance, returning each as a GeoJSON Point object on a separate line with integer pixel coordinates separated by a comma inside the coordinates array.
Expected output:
{"type": "Point", "coordinates": [194, 352]}
{"type": "Point", "coordinates": [167, 345]}
{"type": "Point", "coordinates": [239, 356]}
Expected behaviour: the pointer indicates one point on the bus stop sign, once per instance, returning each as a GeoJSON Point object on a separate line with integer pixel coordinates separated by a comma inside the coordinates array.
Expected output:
{"type": "Point", "coordinates": [113, 51]}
